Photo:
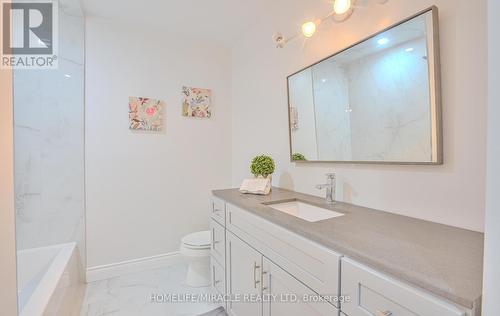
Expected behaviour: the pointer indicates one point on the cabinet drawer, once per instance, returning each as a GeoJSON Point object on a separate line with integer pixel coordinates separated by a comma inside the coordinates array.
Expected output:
{"type": "Point", "coordinates": [218, 249]}
{"type": "Point", "coordinates": [218, 276]}
{"type": "Point", "coordinates": [373, 293]}
{"type": "Point", "coordinates": [218, 211]}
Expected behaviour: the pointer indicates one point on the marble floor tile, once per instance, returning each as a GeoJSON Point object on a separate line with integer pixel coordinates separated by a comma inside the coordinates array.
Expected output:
{"type": "Point", "coordinates": [131, 295]}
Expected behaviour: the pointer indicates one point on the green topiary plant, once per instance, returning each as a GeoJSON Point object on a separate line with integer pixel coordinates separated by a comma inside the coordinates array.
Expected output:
{"type": "Point", "coordinates": [298, 157]}
{"type": "Point", "coordinates": [262, 166]}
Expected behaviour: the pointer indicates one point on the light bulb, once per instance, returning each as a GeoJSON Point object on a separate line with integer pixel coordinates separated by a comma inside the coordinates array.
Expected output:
{"type": "Point", "coordinates": [341, 6]}
{"type": "Point", "coordinates": [308, 29]}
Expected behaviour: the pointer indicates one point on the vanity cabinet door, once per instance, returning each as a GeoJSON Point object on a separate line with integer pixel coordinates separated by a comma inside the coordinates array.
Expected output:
{"type": "Point", "coordinates": [218, 244]}
{"type": "Point", "coordinates": [243, 268]}
{"type": "Point", "coordinates": [284, 295]}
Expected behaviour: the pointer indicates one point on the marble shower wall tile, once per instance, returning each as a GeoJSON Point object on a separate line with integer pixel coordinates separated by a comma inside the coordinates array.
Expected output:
{"type": "Point", "coordinates": [49, 148]}
{"type": "Point", "coordinates": [331, 103]}
{"type": "Point", "coordinates": [71, 29]}
{"type": "Point", "coordinates": [376, 107]}
{"type": "Point", "coordinates": [389, 97]}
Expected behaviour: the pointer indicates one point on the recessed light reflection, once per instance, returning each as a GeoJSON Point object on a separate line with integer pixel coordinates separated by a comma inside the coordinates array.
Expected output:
{"type": "Point", "coordinates": [67, 76]}
{"type": "Point", "coordinates": [409, 49]}
{"type": "Point", "coordinates": [383, 41]}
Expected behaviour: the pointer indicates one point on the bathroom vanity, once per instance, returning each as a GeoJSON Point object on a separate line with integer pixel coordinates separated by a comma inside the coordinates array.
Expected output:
{"type": "Point", "coordinates": [357, 262]}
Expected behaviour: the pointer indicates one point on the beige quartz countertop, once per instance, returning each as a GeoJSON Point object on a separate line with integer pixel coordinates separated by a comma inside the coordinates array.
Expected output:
{"type": "Point", "coordinates": [443, 260]}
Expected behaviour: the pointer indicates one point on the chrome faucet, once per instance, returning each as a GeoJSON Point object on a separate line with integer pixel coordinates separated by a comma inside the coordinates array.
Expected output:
{"type": "Point", "coordinates": [329, 186]}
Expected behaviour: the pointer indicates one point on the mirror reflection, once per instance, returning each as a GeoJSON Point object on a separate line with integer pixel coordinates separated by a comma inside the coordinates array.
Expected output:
{"type": "Point", "coordinates": [374, 102]}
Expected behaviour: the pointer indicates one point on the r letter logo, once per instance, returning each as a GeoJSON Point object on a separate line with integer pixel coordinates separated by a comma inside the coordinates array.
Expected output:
{"type": "Point", "coordinates": [29, 34]}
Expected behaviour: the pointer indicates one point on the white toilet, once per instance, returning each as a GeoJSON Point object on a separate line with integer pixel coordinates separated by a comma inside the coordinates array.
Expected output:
{"type": "Point", "coordinates": [196, 247]}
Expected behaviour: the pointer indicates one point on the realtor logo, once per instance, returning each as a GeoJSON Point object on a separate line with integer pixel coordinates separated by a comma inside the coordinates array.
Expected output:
{"type": "Point", "coordinates": [29, 34]}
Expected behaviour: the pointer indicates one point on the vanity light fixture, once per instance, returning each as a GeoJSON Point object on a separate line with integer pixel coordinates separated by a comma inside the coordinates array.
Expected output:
{"type": "Point", "coordinates": [341, 11]}
{"type": "Point", "coordinates": [308, 29]}
{"type": "Point", "coordinates": [341, 6]}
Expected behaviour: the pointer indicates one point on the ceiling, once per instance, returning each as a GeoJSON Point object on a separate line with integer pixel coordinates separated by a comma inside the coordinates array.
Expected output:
{"type": "Point", "coordinates": [220, 20]}
{"type": "Point", "coordinates": [223, 21]}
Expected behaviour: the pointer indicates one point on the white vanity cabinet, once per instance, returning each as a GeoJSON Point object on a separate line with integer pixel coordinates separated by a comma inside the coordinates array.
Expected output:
{"type": "Point", "coordinates": [270, 270]}
{"type": "Point", "coordinates": [267, 270]}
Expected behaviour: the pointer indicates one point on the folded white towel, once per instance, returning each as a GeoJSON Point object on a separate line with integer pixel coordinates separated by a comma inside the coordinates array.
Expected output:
{"type": "Point", "coordinates": [260, 186]}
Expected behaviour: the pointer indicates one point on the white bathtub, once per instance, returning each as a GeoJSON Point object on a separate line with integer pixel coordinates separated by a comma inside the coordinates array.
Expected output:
{"type": "Point", "coordinates": [48, 280]}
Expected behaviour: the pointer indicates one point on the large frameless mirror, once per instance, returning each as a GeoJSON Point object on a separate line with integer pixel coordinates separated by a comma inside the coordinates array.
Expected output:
{"type": "Point", "coordinates": [377, 101]}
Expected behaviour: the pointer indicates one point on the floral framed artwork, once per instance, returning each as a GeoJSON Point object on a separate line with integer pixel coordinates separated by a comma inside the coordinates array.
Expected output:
{"type": "Point", "coordinates": [145, 114]}
{"type": "Point", "coordinates": [196, 102]}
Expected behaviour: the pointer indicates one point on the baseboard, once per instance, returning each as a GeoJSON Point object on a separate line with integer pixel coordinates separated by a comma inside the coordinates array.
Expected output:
{"type": "Point", "coordinates": [113, 270]}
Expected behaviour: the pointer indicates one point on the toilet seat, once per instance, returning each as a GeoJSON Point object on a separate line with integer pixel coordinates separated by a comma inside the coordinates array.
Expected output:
{"type": "Point", "coordinates": [198, 240]}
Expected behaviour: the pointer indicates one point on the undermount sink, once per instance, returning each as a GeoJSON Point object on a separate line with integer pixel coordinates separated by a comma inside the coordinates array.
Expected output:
{"type": "Point", "coordinates": [304, 211]}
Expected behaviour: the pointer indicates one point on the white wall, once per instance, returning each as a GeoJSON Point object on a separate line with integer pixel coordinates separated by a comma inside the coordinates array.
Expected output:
{"type": "Point", "coordinates": [147, 190]}
{"type": "Point", "coordinates": [491, 304]}
{"type": "Point", "coordinates": [453, 193]}
{"type": "Point", "coordinates": [8, 283]}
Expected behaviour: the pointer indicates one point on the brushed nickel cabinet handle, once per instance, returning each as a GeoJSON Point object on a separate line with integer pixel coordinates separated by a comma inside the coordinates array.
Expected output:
{"type": "Point", "coordinates": [255, 281]}
{"type": "Point", "coordinates": [213, 239]}
{"type": "Point", "coordinates": [386, 313]}
{"type": "Point", "coordinates": [214, 281]}
{"type": "Point", "coordinates": [213, 275]}
{"type": "Point", "coordinates": [262, 280]}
